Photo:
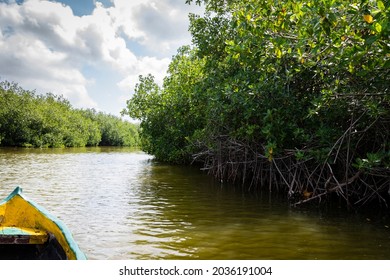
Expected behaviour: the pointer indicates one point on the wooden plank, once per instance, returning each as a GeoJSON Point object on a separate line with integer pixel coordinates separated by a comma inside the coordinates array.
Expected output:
{"type": "Point", "coordinates": [15, 235]}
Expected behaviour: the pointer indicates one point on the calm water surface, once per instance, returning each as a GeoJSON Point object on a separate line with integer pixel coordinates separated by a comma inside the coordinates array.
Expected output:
{"type": "Point", "coordinates": [120, 204]}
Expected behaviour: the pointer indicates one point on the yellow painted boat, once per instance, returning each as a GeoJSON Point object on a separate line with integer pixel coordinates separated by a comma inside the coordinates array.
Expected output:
{"type": "Point", "coordinates": [28, 231]}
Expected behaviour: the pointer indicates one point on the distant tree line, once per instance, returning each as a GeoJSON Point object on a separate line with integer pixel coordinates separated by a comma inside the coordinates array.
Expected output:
{"type": "Point", "coordinates": [284, 95]}
{"type": "Point", "coordinates": [31, 120]}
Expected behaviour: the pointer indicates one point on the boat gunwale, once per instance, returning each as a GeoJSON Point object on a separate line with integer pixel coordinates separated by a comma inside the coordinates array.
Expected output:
{"type": "Point", "coordinates": [18, 191]}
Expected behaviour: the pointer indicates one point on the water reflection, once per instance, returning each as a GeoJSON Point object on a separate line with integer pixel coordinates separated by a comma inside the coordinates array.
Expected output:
{"type": "Point", "coordinates": [119, 204]}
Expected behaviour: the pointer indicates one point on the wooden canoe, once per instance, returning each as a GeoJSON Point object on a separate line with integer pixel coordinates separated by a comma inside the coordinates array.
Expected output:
{"type": "Point", "coordinates": [28, 231]}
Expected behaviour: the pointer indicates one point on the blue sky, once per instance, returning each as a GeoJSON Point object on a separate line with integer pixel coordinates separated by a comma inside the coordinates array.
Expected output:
{"type": "Point", "coordinates": [91, 52]}
{"type": "Point", "coordinates": [84, 7]}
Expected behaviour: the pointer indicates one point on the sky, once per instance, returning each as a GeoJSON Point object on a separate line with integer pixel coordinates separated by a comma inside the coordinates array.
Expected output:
{"type": "Point", "coordinates": [90, 51]}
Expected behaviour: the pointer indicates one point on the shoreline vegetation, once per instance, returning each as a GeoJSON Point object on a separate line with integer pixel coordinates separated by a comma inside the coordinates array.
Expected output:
{"type": "Point", "coordinates": [289, 96]}
{"type": "Point", "coordinates": [49, 121]}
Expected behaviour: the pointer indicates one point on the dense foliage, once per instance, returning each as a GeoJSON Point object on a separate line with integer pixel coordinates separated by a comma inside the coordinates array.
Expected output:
{"type": "Point", "coordinates": [169, 117]}
{"type": "Point", "coordinates": [293, 95]}
{"type": "Point", "coordinates": [31, 120]}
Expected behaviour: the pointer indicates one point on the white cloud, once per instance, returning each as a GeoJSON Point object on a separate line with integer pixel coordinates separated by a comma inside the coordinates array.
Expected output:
{"type": "Point", "coordinates": [145, 66]}
{"type": "Point", "coordinates": [44, 46]}
{"type": "Point", "coordinates": [158, 25]}
{"type": "Point", "coordinates": [36, 47]}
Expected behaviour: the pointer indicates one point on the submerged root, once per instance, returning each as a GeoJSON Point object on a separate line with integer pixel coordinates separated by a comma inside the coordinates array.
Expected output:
{"type": "Point", "coordinates": [302, 181]}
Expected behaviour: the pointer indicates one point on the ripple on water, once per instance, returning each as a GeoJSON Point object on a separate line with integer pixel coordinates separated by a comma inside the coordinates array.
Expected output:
{"type": "Point", "coordinates": [121, 205]}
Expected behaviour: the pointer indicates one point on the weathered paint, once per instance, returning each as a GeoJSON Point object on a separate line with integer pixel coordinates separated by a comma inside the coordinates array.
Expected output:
{"type": "Point", "coordinates": [17, 235]}
{"type": "Point", "coordinates": [17, 211]}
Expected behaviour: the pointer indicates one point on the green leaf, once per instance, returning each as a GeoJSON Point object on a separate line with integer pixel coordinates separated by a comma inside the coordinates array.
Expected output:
{"type": "Point", "coordinates": [230, 43]}
{"type": "Point", "coordinates": [370, 40]}
{"type": "Point", "coordinates": [381, 6]}
{"type": "Point", "coordinates": [378, 27]}
{"type": "Point", "coordinates": [278, 53]}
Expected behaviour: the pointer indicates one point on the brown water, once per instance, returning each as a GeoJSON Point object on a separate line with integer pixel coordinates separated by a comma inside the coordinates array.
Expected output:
{"type": "Point", "coordinates": [120, 204]}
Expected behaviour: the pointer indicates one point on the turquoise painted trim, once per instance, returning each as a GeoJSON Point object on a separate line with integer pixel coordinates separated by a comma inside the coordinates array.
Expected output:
{"type": "Point", "coordinates": [68, 236]}
{"type": "Point", "coordinates": [13, 231]}
{"type": "Point", "coordinates": [16, 191]}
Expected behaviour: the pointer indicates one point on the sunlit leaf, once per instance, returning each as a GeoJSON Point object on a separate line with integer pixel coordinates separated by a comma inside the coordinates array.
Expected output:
{"type": "Point", "coordinates": [378, 27]}
{"type": "Point", "coordinates": [381, 6]}
{"type": "Point", "coordinates": [270, 154]}
{"type": "Point", "coordinates": [278, 53]}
